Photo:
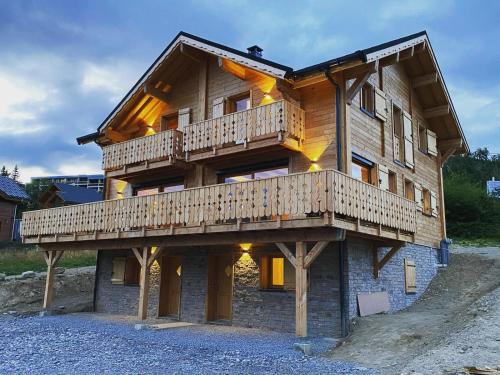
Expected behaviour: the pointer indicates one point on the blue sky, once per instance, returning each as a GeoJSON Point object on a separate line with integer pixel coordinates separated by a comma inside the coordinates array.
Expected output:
{"type": "Point", "coordinates": [64, 65]}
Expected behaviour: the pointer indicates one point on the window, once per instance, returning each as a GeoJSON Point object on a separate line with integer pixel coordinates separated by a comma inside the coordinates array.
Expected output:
{"type": "Point", "coordinates": [397, 123]}
{"type": "Point", "coordinates": [276, 273]}
{"type": "Point", "coordinates": [409, 190]}
{"type": "Point", "coordinates": [410, 276]}
{"type": "Point", "coordinates": [393, 182]}
{"type": "Point", "coordinates": [368, 99]}
{"type": "Point", "coordinates": [163, 188]}
{"type": "Point", "coordinates": [361, 169]}
{"type": "Point", "coordinates": [422, 138]}
{"type": "Point", "coordinates": [126, 271]}
{"type": "Point", "coordinates": [254, 175]}
{"type": "Point", "coordinates": [169, 122]}
{"type": "Point", "coordinates": [427, 208]}
{"type": "Point", "coordinates": [239, 103]}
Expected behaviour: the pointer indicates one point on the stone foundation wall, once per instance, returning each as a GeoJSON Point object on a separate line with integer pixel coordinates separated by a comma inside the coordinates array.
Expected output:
{"type": "Point", "coordinates": [359, 273]}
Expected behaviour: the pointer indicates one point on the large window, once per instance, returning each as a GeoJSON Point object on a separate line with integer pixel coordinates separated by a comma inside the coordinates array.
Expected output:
{"type": "Point", "coordinates": [254, 175]}
{"type": "Point", "coordinates": [126, 271]}
{"type": "Point", "coordinates": [361, 169]}
{"type": "Point", "coordinates": [170, 187]}
{"type": "Point", "coordinates": [276, 273]}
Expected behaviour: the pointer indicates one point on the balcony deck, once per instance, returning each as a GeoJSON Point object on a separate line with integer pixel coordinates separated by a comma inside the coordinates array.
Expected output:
{"type": "Point", "coordinates": [279, 124]}
{"type": "Point", "coordinates": [318, 199]}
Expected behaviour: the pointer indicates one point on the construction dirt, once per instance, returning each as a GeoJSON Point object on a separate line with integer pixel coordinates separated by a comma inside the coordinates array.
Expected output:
{"type": "Point", "coordinates": [456, 323]}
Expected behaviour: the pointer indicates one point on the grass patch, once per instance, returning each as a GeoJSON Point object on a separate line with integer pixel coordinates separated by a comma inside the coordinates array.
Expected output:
{"type": "Point", "coordinates": [477, 242]}
{"type": "Point", "coordinates": [17, 258]}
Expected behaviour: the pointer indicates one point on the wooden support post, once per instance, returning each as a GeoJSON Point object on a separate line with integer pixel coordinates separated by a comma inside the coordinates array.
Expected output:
{"type": "Point", "coordinates": [144, 281]}
{"type": "Point", "coordinates": [300, 290]}
{"type": "Point", "coordinates": [51, 258]}
{"type": "Point", "coordinates": [379, 264]}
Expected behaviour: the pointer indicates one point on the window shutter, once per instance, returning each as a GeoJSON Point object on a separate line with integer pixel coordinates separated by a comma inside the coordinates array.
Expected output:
{"type": "Point", "coordinates": [289, 276]}
{"type": "Point", "coordinates": [418, 196]}
{"type": "Point", "coordinates": [434, 207]}
{"type": "Point", "coordinates": [132, 271]}
{"type": "Point", "coordinates": [184, 118]}
{"type": "Point", "coordinates": [410, 276]}
{"type": "Point", "coordinates": [380, 104]}
{"type": "Point", "coordinates": [218, 108]}
{"type": "Point", "coordinates": [408, 136]}
{"type": "Point", "coordinates": [383, 177]}
{"type": "Point", "coordinates": [431, 143]}
{"type": "Point", "coordinates": [118, 273]}
{"type": "Point", "coordinates": [264, 272]}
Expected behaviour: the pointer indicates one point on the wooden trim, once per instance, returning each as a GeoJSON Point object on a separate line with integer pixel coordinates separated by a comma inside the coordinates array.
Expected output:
{"type": "Point", "coordinates": [314, 253]}
{"type": "Point", "coordinates": [424, 80]}
{"type": "Point", "coordinates": [300, 290]}
{"type": "Point", "coordinates": [156, 93]}
{"type": "Point", "coordinates": [379, 264]}
{"type": "Point", "coordinates": [143, 282]}
{"type": "Point", "coordinates": [287, 253]}
{"type": "Point", "coordinates": [441, 110]}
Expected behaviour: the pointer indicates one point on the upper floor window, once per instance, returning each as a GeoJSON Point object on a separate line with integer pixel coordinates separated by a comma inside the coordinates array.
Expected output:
{"type": "Point", "coordinates": [397, 125]}
{"type": "Point", "coordinates": [169, 122]}
{"type": "Point", "coordinates": [169, 187]}
{"type": "Point", "coordinates": [238, 103]}
{"type": "Point", "coordinates": [255, 174]}
{"type": "Point", "coordinates": [361, 169]}
{"type": "Point", "coordinates": [422, 138]}
{"type": "Point", "coordinates": [409, 190]}
{"type": "Point", "coordinates": [368, 99]}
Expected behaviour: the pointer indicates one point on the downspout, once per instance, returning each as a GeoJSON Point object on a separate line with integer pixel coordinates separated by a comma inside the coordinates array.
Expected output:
{"type": "Point", "coordinates": [337, 120]}
{"type": "Point", "coordinates": [344, 329]}
{"type": "Point", "coordinates": [96, 281]}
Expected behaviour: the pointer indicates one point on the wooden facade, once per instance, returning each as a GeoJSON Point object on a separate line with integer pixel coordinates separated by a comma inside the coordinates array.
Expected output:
{"type": "Point", "coordinates": [350, 136]}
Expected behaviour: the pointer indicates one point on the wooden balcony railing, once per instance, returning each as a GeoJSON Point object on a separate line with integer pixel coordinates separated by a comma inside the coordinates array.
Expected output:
{"type": "Point", "coordinates": [295, 196]}
{"type": "Point", "coordinates": [160, 146]}
{"type": "Point", "coordinates": [280, 117]}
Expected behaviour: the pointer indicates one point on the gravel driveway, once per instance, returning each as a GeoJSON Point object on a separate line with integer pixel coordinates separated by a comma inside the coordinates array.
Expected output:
{"type": "Point", "coordinates": [82, 344]}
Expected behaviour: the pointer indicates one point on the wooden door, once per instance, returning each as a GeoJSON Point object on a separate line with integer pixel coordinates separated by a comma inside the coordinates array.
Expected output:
{"type": "Point", "coordinates": [170, 286]}
{"type": "Point", "coordinates": [220, 287]}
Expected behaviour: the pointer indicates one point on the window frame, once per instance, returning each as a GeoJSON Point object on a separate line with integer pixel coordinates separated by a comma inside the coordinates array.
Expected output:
{"type": "Point", "coordinates": [425, 149]}
{"type": "Point", "coordinates": [252, 170]}
{"type": "Point", "coordinates": [400, 136]}
{"type": "Point", "coordinates": [363, 162]}
{"type": "Point", "coordinates": [161, 186]}
{"type": "Point", "coordinates": [231, 102]}
{"type": "Point", "coordinates": [265, 282]}
{"type": "Point", "coordinates": [367, 86]}
{"type": "Point", "coordinates": [426, 202]}
{"type": "Point", "coordinates": [169, 116]}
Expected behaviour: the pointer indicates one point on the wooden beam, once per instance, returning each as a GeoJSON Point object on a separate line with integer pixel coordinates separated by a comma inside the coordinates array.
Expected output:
{"type": "Point", "coordinates": [441, 110]}
{"type": "Point", "coordinates": [155, 256]}
{"type": "Point", "coordinates": [192, 53]}
{"type": "Point", "coordinates": [144, 284]}
{"type": "Point", "coordinates": [156, 93]}
{"type": "Point", "coordinates": [49, 280]}
{"type": "Point", "coordinates": [424, 80]}
{"type": "Point", "coordinates": [455, 143]}
{"type": "Point", "coordinates": [287, 253]}
{"type": "Point", "coordinates": [114, 135]}
{"type": "Point", "coordinates": [314, 253]}
{"type": "Point", "coordinates": [356, 86]}
{"type": "Point", "coordinates": [233, 68]}
{"type": "Point", "coordinates": [300, 291]}
{"type": "Point", "coordinates": [379, 264]}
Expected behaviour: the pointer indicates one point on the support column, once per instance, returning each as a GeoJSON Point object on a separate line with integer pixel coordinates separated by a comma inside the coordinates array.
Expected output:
{"type": "Point", "coordinates": [51, 258]}
{"type": "Point", "coordinates": [143, 282]}
{"type": "Point", "coordinates": [300, 290]}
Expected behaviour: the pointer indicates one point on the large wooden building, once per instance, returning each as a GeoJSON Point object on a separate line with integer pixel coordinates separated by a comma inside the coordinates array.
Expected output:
{"type": "Point", "coordinates": [242, 191]}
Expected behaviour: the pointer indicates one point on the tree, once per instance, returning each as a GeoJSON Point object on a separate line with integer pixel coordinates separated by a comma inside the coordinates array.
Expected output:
{"type": "Point", "coordinates": [4, 172]}
{"type": "Point", "coordinates": [15, 174]}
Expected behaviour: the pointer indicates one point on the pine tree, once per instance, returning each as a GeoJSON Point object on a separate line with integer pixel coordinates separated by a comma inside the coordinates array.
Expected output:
{"type": "Point", "coordinates": [15, 174]}
{"type": "Point", "coordinates": [4, 172]}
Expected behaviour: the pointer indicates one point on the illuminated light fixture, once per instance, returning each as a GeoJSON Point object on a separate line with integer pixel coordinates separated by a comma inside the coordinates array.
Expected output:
{"type": "Point", "coordinates": [154, 249]}
{"type": "Point", "coordinates": [314, 167]}
{"type": "Point", "coordinates": [245, 246]}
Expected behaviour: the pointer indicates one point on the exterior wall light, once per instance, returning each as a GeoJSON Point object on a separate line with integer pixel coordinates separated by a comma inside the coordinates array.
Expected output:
{"type": "Point", "coordinates": [245, 246]}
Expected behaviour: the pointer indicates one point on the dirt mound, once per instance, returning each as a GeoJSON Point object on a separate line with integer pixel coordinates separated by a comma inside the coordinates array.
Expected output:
{"type": "Point", "coordinates": [451, 305]}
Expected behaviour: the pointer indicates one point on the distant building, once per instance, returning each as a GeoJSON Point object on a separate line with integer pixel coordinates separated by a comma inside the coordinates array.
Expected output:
{"type": "Point", "coordinates": [11, 194]}
{"type": "Point", "coordinates": [64, 195]}
{"type": "Point", "coordinates": [88, 181]}
{"type": "Point", "coordinates": [493, 187]}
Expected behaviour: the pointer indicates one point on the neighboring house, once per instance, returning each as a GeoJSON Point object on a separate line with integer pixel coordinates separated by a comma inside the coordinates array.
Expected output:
{"type": "Point", "coordinates": [11, 194]}
{"type": "Point", "coordinates": [493, 187]}
{"type": "Point", "coordinates": [88, 181]}
{"type": "Point", "coordinates": [239, 190]}
{"type": "Point", "coordinates": [64, 195]}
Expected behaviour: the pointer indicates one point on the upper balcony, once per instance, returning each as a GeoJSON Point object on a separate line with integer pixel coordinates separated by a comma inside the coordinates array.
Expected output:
{"type": "Point", "coordinates": [279, 124]}
{"type": "Point", "coordinates": [321, 199]}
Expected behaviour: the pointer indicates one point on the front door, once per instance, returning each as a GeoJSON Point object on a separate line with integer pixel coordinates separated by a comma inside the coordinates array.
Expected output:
{"type": "Point", "coordinates": [170, 286]}
{"type": "Point", "coordinates": [220, 287]}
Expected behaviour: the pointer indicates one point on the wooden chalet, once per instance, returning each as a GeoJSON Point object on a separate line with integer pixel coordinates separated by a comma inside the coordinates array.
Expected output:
{"type": "Point", "coordinates": [244, 192]}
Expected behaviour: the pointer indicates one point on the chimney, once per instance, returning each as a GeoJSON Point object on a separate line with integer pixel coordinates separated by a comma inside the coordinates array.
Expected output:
{"type": "Point", "coordinates": [255, 51]}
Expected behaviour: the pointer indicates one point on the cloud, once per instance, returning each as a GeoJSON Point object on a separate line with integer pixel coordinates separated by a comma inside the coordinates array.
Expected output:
{"type": "Point", "coordinates": [112, 79]}
{"type": "Point", "coordinates": [412, 9]}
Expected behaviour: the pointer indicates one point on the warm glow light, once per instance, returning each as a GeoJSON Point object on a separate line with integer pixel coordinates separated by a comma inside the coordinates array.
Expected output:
{"type": "Point", "coordinates": [150, 130]}
{"type": "Point", "coordinates": [314, 167]}
{"type": "Point", "coordinates": [245, 246]}
{"type": "Point", "coordinates": [267, 99]}
{"type": "Point", "coordinates": [314, 153]}
{"type": "Point", "coordinates": [120, 188]}
{"type": "Point", "coordinates": [153, 249]}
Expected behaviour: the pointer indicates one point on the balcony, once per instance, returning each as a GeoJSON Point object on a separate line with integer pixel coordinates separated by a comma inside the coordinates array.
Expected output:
{"type": "Point", "coordinates": [277, 124]}
{"type": "Point", "coordinates": [304, 200]}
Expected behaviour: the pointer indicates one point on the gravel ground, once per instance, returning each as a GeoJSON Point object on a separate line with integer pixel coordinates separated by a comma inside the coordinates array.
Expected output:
{"type": "Point", "coordinates": [83, 344]}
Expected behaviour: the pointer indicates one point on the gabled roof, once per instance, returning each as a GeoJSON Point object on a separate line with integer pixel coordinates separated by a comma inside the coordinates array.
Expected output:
{"type": "Point", "coordinates": [277, 70]}
{"type": "Point", "coordinates": [11, 190]}
{"type": "Point", "coordinates": [76, 194]}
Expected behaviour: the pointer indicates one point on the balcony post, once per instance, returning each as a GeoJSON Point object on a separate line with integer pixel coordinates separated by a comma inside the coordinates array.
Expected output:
{"type": "Point", "coordinates": [300, 290]}
{"type": "Point", "coordinates": [51, 258]}
{"type": "Point", "coordinates": [143, 260]}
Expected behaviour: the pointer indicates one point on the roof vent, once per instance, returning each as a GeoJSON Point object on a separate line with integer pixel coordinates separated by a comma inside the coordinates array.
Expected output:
{"type": "Point", "coordinates": [255, 51]}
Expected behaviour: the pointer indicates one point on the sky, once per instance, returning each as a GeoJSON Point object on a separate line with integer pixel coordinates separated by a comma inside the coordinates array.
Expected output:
{"type": "Point", "coordinates": [64, 65]}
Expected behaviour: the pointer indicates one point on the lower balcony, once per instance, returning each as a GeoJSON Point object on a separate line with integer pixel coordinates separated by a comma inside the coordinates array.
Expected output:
{"type": "Point", "coordinates": [322, 199]}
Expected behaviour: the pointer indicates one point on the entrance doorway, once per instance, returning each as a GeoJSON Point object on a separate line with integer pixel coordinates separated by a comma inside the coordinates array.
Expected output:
{"type": "Point", "coordinates": [220, 287]}
{"type": "Point", "coordinates": [170, 286]}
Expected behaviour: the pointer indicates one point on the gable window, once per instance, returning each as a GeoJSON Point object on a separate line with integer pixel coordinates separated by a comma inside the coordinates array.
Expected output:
{"type": "Point", "coordinates": [125, 271]}
{"type": "Point", "coordinates": [362, 169]}
{"type": "Point", "coordinates": [276, 273]}
{"type": "Point", "coordinates": [368, 99]}
{"type": "Point", "coordinates": [169, 122]}
{"type": "Point", "coordinates": [239, 103]}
